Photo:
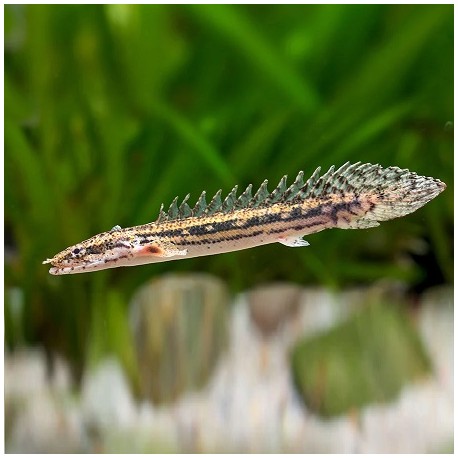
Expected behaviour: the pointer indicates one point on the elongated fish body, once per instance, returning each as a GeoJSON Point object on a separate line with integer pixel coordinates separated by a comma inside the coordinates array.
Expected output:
{"type": "Point", "coordinates": [356, 196]}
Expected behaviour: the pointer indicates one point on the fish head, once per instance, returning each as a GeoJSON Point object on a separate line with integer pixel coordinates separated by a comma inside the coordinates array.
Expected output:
{"type": "Point", "coordinates": [116, 248]}
{"type": "Point", "coordinates": [103, 251]}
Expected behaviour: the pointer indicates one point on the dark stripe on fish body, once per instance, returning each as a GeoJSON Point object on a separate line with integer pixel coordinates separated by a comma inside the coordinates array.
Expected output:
{"type": "Point", "coordinates": [203, 228]}
{"type": "Point", "coordinates": [205, 241]}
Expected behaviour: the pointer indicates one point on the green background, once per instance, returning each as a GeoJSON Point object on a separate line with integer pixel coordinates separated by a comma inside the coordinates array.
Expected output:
{"type": "Point", "coordinates": [112, 110]}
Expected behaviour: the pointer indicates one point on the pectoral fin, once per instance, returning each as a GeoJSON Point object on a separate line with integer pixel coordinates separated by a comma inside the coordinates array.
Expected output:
{"type": "Point", "coordinates": [293, 241]}
{"type": "Point", "coordinates": [160, 249]}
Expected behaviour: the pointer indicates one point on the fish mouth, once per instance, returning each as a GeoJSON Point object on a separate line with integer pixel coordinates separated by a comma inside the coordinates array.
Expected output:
{"type": "Point", "coordinates": [77, 268]}
{"type": "Point", "coordinates": [69, 268]}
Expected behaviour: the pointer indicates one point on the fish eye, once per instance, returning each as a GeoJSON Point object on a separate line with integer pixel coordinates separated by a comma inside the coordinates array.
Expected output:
{"type": "Point", "coordinates": [78, 251]}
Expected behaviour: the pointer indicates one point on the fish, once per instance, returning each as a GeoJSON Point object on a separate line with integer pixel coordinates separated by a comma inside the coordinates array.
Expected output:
{"type": "Point", "coordinates": [355, 196]}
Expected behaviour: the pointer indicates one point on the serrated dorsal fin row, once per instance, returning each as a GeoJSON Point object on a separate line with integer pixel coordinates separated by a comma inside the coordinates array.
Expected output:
{"type": "Point", "coordinates": [348, 178]}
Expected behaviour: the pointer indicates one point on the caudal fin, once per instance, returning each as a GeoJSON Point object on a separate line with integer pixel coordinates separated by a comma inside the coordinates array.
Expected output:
{"type": "Point", "coordinates": [386, 193]}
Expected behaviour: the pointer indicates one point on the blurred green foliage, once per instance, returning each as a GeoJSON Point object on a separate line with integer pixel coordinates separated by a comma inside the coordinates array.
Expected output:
{"type": "Point", "coordinates": [367, 359]}
{"type": "Point", "coordinates": [112, 109]}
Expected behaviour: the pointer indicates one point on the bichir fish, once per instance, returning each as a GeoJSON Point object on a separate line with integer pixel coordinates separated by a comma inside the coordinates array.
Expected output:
{"type": "Point", "coordinates": [355, 196]}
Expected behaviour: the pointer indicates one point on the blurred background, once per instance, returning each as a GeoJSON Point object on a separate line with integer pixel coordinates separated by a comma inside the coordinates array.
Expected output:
{"type": "Point", "coordinates": [111, 110]}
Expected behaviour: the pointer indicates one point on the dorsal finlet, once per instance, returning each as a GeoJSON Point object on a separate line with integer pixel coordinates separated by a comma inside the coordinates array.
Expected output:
{"type": "Point", "coordinates": [172, 213]}
{"type": "Point", "coordinates": [310, 183]}
{"type": "Point", "coordinates": [214, 205]}
{"type": "Point", "coordinates": [278, 193]}
{"type": "Point", "coordinates": [293, 190]}
{"type": "Point", "coordinates": [162, 215]}
{"type": "Point", "coordinates": [185, 210]}
{"type": "Point", "coordinates": [244, 198]}
{"type": "Point", "coordinates": [320, 185]}
{"type": "Point", "coordinates": [200, 206]}
{"type": "Point", "coordinates": [230, 200]}
{"type": "Point", "coordinates": [260, 196]}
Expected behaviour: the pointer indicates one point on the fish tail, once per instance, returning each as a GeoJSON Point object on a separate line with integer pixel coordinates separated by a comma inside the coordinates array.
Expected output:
{"type": "Point", "coordinates": [384, 193]}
